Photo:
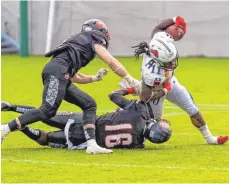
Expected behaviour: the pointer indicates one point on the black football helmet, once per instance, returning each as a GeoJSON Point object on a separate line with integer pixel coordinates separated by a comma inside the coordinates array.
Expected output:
{"type": "Point", "coordinates": [158, 131]}
{"type": "Point", "coordinates": [96, 25]}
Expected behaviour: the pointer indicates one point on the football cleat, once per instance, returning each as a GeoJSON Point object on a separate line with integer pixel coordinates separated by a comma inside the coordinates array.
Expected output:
{"type": "Point", "coordinates": [94, 148]}
{"type": "Point", "coordinates": [222, 139]}
{"type": "Point", "coordinates": [4, 131]}
{"type": "Point", "coordinates": [5, 106]}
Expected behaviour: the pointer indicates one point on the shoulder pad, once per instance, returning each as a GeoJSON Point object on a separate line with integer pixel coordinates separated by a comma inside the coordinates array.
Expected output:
{"type": "Point", "coordinates": [99, 38]}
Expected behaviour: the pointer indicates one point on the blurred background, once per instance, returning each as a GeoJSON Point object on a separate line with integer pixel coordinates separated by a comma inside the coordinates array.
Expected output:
{"type": "Point", "coordinates": [34, 27]}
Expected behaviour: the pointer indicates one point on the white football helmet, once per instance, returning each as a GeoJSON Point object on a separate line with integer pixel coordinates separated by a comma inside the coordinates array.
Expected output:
{"type": "Point", "coordinates": [163, 50]}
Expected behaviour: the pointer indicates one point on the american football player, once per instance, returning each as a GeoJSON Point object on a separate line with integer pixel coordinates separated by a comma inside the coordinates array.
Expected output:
{"type": "Point", "coordinates": [75, 52]}
{"type": "Point", "coordinates": [126, 128]}
{"type": "Point", "coordinates": [177, 93]}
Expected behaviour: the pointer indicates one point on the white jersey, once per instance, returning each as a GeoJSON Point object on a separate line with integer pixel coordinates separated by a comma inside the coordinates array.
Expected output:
{"type": "Point", "coordinates": [152, 74]}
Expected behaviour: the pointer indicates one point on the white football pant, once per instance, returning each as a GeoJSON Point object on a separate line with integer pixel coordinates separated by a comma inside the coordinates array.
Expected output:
{"type": "Point", "coordinates": [178, 96]}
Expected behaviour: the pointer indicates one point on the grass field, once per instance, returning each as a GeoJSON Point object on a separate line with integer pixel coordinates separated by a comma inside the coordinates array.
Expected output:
{"type": "Point", "coordinates": [185, 158]}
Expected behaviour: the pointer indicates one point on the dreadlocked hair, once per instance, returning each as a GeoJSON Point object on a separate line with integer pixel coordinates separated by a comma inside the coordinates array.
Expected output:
{"type": "Point", "coordinates": [141, 48]}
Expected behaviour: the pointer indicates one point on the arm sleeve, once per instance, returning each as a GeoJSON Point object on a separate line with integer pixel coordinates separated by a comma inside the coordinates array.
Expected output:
{"type": "Point", "coordinates": [161, 26]}
{"type": "Point", "coordinates": [118, 98]}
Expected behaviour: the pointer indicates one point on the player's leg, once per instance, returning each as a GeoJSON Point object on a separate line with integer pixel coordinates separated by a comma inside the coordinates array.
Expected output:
{"type": "Point", "coordinates": [58, 121]}
{"type": "Point", "coordinates": [53, 94]}
{"type": "Point", "coordinates": [52, 139]}
{"type": "Point", "coordinates": [146, 92]}
{"type": "Point", "coordinates": [182, 98]}
{"type": "Point", "coordinates": [75, 96]}
{"type": "Point", "coordinates": [157, 107]}
{"type": "Point", "coordinates": [6, 106]}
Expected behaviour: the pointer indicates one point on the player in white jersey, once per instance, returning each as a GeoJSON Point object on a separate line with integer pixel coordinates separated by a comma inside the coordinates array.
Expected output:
{"type": "Point", "coordinates": [173, 91]}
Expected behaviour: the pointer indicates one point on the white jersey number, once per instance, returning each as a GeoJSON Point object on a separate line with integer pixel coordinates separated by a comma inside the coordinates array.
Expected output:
{"type": "Point", "coordinates": [124, 139]}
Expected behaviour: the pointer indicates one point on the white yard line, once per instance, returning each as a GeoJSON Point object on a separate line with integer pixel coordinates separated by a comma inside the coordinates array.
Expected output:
{"type": "Point", "coordinates": [115, 165]}
{"type": "Point", "coordinates": [203, 107]}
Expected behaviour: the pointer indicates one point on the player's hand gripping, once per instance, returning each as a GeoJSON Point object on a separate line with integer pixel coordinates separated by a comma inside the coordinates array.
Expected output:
{"type": "Point", "coordinates": [180, 22]}
{"type": "Point", "coordinates": [135, 91]}
{"type": "Point", "coordinates": [100, 74]}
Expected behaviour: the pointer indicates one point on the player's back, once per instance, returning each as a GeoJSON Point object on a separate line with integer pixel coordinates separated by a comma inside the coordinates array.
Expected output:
{"type": "Point", "coordinates": [80, 48]}
{"type": "Point", "coordinates": [122, 129]}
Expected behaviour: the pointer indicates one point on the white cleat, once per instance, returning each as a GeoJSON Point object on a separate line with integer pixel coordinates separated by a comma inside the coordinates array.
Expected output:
{"type": "Point", "coordinates": [4, 131]}
{"type": "Point", "coordinates": [94, 148]}
{"type": "Point", "coordinates": [5, 106]}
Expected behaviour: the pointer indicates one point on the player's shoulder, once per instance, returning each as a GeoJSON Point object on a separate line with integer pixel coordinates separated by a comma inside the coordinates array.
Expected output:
{"type": "Point", "coordinates": [99, 38]}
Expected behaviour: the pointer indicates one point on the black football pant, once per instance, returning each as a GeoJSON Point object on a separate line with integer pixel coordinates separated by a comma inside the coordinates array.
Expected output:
{"type": "Point", "coordinates": [57, 138]}
{"type": "Point", "coordinates": [58, 86]}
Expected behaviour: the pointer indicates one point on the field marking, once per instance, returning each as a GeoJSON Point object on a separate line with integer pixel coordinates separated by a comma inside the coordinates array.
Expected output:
{"type": "Point", "coordinates": [203, 107]}
{"type": "Point", "coordinates": [115, 165]}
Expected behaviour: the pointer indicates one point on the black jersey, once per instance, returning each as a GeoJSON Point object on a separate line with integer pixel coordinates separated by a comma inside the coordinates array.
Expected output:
{"type": "Point", "coordinates": [122, 129]}
{"type": "Point", "coordinates": [79, 49]}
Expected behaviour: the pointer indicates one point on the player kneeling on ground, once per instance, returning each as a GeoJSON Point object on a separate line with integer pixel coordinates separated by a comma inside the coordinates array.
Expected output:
{"type": "Point", "coordinates": [126, 128]}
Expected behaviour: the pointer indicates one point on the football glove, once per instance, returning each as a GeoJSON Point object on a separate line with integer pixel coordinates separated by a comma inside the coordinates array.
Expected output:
{"type": "Point", "coordinates": [180, 22]}
{"type": "Point", "coordinates": [100, 74]}
{"type": "Point", "coordinates": [125, 85]}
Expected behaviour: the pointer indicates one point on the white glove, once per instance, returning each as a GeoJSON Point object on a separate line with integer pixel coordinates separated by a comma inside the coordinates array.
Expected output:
{"type": "Point", "coordinates": [136, 84]}
{"type": "Point", "coordinates": [99, 75]}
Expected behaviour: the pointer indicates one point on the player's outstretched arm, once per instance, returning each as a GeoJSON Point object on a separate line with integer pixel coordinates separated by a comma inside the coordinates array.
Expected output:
{"type": "Point", "coordinates": [148, 94]}
{"type": "Point", "coordinates": [175, 26]}
{"type": "Point", "coordinates": [161, 26]}
{"type": "Point", "coordinates": [85, 79]}
{"type": "Point", "coordinates": [115, 65]}
{"type": "Point", "coordinates": [118, 98]}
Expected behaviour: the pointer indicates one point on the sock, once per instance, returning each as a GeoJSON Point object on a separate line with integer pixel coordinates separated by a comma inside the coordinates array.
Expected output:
{"type": "Point", "coordinates": [7, 130]}
{"type": "Point", "coordinates": [21, 108]}
{"type": "Point", "coordinates": [31, 133]}
{"type": "Point", "coordinates": [207, 134]}
{"type": "Point", "coordinates": [89, 133]}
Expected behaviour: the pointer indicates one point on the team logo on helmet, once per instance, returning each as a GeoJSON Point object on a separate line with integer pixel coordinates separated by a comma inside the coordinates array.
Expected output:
{"type": "Point", "coordinates": [155, 53]}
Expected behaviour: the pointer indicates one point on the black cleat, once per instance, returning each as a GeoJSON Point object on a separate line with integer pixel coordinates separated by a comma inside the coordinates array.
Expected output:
{"type": "Point", "coordinates": [5, 106]}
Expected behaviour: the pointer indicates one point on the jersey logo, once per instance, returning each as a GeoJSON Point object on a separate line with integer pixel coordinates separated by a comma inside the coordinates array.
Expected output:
{"type": "Point", "coordinates": [66, 76]}
{"type": "Point", "coordinates": [155, 53]}
{"type": "Point", "coordinates": [154, 69]}
{"type": "Point", "coordinates": [157, 82]}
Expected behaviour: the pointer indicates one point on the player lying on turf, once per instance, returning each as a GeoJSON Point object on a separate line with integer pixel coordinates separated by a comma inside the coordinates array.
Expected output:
{"type": "Point", "coordinates": [75, 52]}
{"type": "Point", "coordinates": [126, 128]}
{"type": "Point", "coordinates": [157, 72]}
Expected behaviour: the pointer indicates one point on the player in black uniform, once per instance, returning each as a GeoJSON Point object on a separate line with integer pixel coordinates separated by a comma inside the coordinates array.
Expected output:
{"type": "Point", "coordinates": [76, 52]}
{"type": "Point", "coordinates": [126, 128]}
